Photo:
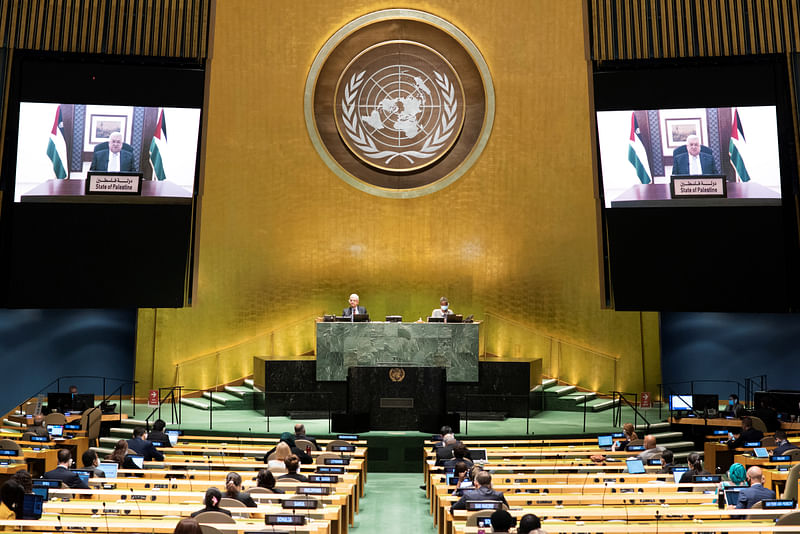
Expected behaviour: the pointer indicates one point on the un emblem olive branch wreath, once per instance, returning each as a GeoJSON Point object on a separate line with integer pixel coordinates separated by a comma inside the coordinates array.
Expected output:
{"type": "Point", "coordinates": [433, 143]}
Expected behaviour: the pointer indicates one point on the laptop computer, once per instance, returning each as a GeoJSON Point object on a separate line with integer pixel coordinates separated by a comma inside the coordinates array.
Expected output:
{"type": "Point", "coordinates": [85, 474]}
{"type": "Point", "coordinates": [605, 442]}
{"type": "Point", "coordinates": [677, 473]}
{"type": "Point", "coordinates": [732, 496]}
{"type": "Point", "coordinates": [55, 431]}
{"type": "Point", "coordinates": [635, 466]}
{"type": "Point", "coordinates": [108, 468]}
{"type": "Point", "coordinates": [173, 436]}
{"type": "Point", "coordinates": [761, 452]}
{"type": "Point", "coordinates": [477, 455]}
{"type": "Point", "coordinates": [137, 459]}
{"type": "Point", "coordinates": [44, 491]}
{"type": "Point", "coordinates": [32, 506]}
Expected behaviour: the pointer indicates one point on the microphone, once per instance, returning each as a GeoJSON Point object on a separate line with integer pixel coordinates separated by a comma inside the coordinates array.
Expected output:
{"type": "Point", "coordinates": [105, 516]}
{"type": "Point", "coordinates": [137, 503]}
{"type": "Point", "coordinates": [60, 526]}
{"type": "Point", "coordinates": [169, 490]}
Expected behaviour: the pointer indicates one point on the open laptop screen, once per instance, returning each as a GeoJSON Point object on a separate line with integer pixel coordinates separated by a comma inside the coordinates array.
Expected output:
{"type": "Point", "coordinates": [635, 467]}
{"type": "Point", "coordinates": [108, 468]}
{"type": "Point", "coordinates": [604, 441]}
{"type": "Point", "coordinates": [137, 459]}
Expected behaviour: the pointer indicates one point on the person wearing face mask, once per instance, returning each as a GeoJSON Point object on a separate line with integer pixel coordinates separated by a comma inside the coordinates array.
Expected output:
{"type": "Point", "coordinates": [443, 309]}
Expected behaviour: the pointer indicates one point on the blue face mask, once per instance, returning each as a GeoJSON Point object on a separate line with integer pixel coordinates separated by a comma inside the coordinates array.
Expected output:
{"type": "Point", "coordinates": [444, 307]}
{"type": "Point", "coordinates": [730, 402]}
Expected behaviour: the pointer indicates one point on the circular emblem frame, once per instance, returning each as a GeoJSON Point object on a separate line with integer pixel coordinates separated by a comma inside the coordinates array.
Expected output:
{"type": "Point", "coordinates": [397, 374]}
{"type": "Point", "coordinates": [399, 118]}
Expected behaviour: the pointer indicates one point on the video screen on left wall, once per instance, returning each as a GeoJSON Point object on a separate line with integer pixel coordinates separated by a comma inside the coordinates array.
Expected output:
{"type": "Point", "coordinates": [62, 141]}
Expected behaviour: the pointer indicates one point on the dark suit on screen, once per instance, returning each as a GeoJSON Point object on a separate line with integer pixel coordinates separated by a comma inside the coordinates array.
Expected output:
{"type": "Point", "coordinates": [680, 164]}
{"type": "Point", "coordinates": [67, 477]}
{"type": "Point", "coordinates": [100, 158]}
{"type": "Point", "coordinates": [347, 312]}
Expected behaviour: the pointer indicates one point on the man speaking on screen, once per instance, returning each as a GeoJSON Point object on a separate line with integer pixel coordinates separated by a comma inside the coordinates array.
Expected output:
{"type": "Point", "coordinates": [694, 160]}
{"type": "Point", "coordinates": [114, 156]}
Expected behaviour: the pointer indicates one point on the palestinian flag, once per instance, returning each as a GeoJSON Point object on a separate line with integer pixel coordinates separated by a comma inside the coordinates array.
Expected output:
{"type": "Point", "coordinates": [637, 154]}
{"type": "Point", "coordinates": [158, 148]}
{"type": "Point", "coordinates": [738, 147]}
{"type": "Point", "coordinates": [57, 147]}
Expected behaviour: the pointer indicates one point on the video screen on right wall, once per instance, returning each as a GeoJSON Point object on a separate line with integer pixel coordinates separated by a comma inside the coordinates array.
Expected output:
{"type": "Point", "coordinates": [646, 147]}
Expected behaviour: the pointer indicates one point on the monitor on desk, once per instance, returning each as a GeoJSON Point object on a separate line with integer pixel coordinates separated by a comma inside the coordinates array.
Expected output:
{"type": "Point", "coordinates": [55, 431]}
{"type": "Point", "coordinates": [732, 496]}
{"type": "Point", "coordinates": [32, 506]}
{"type": "Point", "coordinates": [360, 317]}
{"type": "Point", "coordinates": [604, 441]}
{"type": "Point", "coordinates": [109, 469]}
{"type": "Point", "coordinates": [761, 452]}
{"type": "Point", "coordinates": [46, 483]}
{"type": "Point", "coordinates": [137, 459]}
{"type": "Point", "coordinates": [680, 403]}
{"type": "Point", "coordinates": [173, 436]}
{"type": "Point", "coordinates": [69, 402]}
{"type": "Point", "coordinates": [677, 473]}
{"type": "Point", "coordinates": [635, 466]}
{"type": "Point", "coordinates": [84, 474]}
{"type": "Point", "coordinates": [477, 455]}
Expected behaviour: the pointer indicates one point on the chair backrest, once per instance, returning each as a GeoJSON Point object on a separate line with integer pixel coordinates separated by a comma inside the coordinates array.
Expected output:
{"type": "Point", "coordinates": [258, 489]}
{"type": "Point", "coordinates": [208, 529]}
{"type": "Point", "coordinates": [768, 441]}
{"type": "Point", "coordinates": [90, 422]}
{"type": "Point", "coordinates": [472, 517]}
{"type": "Point", "coordinates": [278, 470]}
{"type": "Point", "coordinates": [228, 502]}
{"type": "Point", "coordinates": [9, 445]}
{"type": "Point", "coordinates": [272, 456]}
{"type": "Point", "coordinates": [636, 442]}
{"type": "Point", "coordinates": [794, 454]}
{"type": "Point", "coordinates": [758, 424]}
{"type": "Point", "coordinates": [335, 442]}
{"type": "Point", "coordinates": [214, 517]}
{"type": "Point", "coordinates": [287, 483]}
{"type": "Point", "coordinates": [55, 418]}
{"type": "Point", "coordinates": [790, 491]}
{"type": "Point", "coordinates": [320, 460]}
{"type": "Point", "coordinates": [305, 444]}
{"type": "Point", "coordinates": [790, 519]}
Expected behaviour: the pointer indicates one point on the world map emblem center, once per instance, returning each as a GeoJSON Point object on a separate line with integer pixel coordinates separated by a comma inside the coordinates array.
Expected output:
{"type": "Point", "coordinates": [399, 103]}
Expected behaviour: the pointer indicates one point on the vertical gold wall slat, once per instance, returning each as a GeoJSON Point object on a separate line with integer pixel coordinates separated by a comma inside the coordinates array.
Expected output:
{"type": "Point", "coordinates": [738, 10]}
{"type": "Point", "coordinates": [177, 29]}
{"type": "Point", "coordinates": [795, 26]}
{"type": "Point", "coordinates": [682, 18]}
{"type": "Point", "coordinates": [628, 28]}
{"type": "Point", "coordinates": [49, 42]}
{"type": "Point", "coordinates": [636, 38]}
{"type": "Point", "coordinates": [600, 28]}
{"type": "Point", "coordinates": [619, 37]}
{"type": "Point", "coordinates": [5, 23]}
{"type": "Point", "coordinates": [35, 23]}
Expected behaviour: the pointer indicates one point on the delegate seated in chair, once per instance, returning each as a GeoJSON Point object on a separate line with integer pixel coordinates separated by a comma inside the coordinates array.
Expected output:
{"type": "Point", "coordinates": [114, 155]}
{"type": "Point", "coordinates": [693, 158]}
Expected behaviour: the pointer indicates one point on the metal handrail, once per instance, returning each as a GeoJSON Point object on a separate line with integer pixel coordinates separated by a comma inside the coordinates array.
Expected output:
{"type": "Point", "coordinates": [163, 399]}
{"type": "Point", "coordinates": [123, 382]}
{"type": "Point", "coordinates": [503, 395]}
{"type": "Point", "coordinates": [616, 412]}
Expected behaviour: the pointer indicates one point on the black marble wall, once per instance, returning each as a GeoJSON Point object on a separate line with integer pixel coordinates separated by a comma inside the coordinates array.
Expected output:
{"type": "Point", "coordinates": [501, 387]}
{"type": "Point", "coordinates": [292, 385]}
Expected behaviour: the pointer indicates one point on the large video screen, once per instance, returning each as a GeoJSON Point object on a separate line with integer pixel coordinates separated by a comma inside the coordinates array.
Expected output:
{"type": "Point", "coordinates": [641, 149]}
{"type": "Point", "coordinates": [61, 141]}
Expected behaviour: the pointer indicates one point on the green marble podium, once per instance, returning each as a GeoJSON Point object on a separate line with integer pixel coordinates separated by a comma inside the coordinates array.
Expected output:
{"type": "Point", "coordinates": [453, 346]}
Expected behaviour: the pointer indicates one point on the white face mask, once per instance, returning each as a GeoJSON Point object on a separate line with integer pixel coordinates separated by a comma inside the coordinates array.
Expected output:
{"type": "Point", "coordinates": [444, 307]}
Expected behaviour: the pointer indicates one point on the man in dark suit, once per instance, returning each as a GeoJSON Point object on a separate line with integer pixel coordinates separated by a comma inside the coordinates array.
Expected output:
{"type": "Point", "coordinates": [300, 433]}
{"type": "Point", "coordinates": [756, 492]}
{"type": "Point", "coordinates": [693, 161]}
{"type": "Point", "coordinates": [141, 446]}
{"type": "Point", "coordinates": [114, 156]}
{"type": "Point", "coordinates": [482, 492]}
{"type": "Point", "coordinates": [354, 308]}
{"type": "Point", "coordinates": [158, 434]}
{"type": "Point", "coordinates": [90, 461]}
{"type": "Point", "coordinates": [748, 433]}
{"type": "Point", "coordinates": [62, 472]}
{"type": "Point", "coordinates": [782, 443]}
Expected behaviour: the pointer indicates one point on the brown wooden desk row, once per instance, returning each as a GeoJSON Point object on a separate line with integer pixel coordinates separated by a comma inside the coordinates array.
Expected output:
{"type": "Point", "coordinates": [107, 525]}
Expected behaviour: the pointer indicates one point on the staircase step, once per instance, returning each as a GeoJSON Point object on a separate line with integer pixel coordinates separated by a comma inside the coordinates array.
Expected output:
{"type": "Point", "coordinates": [249, 383]}
{"type": "Point", "coordinates": [598, 405]}
{"type": "Point", "coordinates": [239, 391]}
{"type": "Point", "coordinates": [654, 426]}
{"type": "Point", "coordinates": [135, 422]}
{"type": "Point", "coordinates": [549, 382]}
{"type": "Point", "coordinates": [102, 452]}
{"type": "Point", "coordinates": [108, 442]}
{"type": "Point", "coordinates": [224, 399]}
{"type": "Point", "coordinates": [121, 433]}
{"type": "Point", "coordinates": [675, 446]}
{"type": "Point", "coordinates": [666, 436]}
{"type": "Point", "coordinates": [200, 404]}
{"type": "Point", "coordinates": [559, 391]}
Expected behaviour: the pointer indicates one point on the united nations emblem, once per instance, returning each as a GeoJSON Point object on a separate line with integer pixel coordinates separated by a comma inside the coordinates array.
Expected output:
{"type": "Point", "coordinates": [399, 106]}
{"type": "Point", "coordinates": [399, 117]}
{"type": "Point", "coordinates": [397, 374]}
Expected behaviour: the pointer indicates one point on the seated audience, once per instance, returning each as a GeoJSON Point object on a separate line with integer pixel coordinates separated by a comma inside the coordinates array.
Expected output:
{"type": "Point", "coordinates": [695, 468]}
{"type": "Point", "coordinates": [300, 433]}
{"type": "Point", "coordinates": [530, 524]}
{"type": "Point", "coordinates": [460, 454]}
{"type": "Point", "coordinates": [292, 464]}
{"type": "Point", "coordinates": [24, 479]}
{"type": "Point", "coordinates": [288, 439]}
{"type": "Point", "coordinates": [502, 521]}
{"type": "Point", "coordinates": [62, 472]}
{"type": "Point", "coordinates": [90, 461]}
{"type": "Point", "coordinates": [282, 452]}
{"type": "Point", "coordinates": [140, 445]}
{"type": "Point", "coordinates": [667, 459]}
{"type": "Point", "coordinates": [768, 415]}
{"type": "Point", "coordinates": [630, 435]}
{"type": "Point", "coordinates": [737, 476]}
{"type": "Point", "coordinates": [651, 450]}
{"type": "Point", "coordinates": [158, 433]}
{"type": "Point", "coordinates": [782, 443]}
{"type": "Point", "coordinates": [748, 433]}
{"type": "Point", "coordinates": [734, 408]}
{"type": "Point", "coordinates": [11, 496]}
{"type": "Point", "coordinates": [442, 433]}
{"type": "Point", "coordinates": [462, 473]}
{"type": "Point", "coordinates": [187, 525]}
{"type": "Point", "coordinates": [756, 492]}
{"type": "Point", "coordinates": [121, 456]}
{"type": "Point", "coordinates": [213, 496]}
{"type": "Point", "coordinates": [482, 492]}
{"type": "Point", "coordinates": [445, 452]}
{"type": "Point", "coordinates": [266, 480]}
{"type": "Point", "coordinates": [233, 489]}
{"type": "Point", "coordinates": [38, 427]}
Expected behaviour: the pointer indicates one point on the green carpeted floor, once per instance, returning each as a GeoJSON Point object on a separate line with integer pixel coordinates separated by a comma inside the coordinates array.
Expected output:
{"type": "Point", "coordinates": [394, 504]}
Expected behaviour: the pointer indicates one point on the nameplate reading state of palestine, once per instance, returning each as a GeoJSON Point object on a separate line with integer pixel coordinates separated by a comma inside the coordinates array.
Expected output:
{"type": "Point", "coordinates": [109, 183]}
{"type": "Point", "coordinates": [699, 187]}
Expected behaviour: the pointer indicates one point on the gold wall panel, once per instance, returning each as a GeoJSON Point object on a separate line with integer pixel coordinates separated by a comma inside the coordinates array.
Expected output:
{"type": "Point", "coordinates": [282, 239]}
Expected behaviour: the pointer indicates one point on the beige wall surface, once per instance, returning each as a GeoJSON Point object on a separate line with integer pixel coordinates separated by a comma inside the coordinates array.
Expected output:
{"type": "Point", "coordinates": [283, 239]}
